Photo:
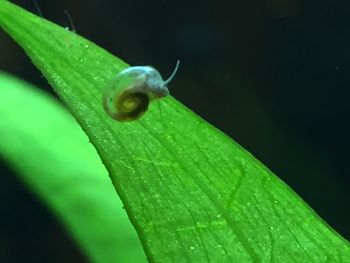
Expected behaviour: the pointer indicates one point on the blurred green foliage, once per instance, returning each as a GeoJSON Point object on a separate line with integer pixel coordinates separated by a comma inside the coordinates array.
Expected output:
{"type": "Point", "coordinates": [53, 157]}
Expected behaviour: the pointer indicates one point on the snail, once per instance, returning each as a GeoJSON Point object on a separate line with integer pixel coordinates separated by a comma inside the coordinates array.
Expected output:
{"type": "Point", "coordinates": [128, 96]}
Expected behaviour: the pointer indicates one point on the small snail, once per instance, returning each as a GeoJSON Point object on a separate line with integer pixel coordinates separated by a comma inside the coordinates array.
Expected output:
{"type": "Point", "coordinates": [128, 96]}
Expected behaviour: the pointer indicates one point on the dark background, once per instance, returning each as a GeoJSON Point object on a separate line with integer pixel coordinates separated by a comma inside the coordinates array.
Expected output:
{"type": "Point", "coordinates": [272, 74]}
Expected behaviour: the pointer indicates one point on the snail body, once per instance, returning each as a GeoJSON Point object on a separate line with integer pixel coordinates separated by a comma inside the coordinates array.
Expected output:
{"type": "Point", "coordinates": [128, 96]}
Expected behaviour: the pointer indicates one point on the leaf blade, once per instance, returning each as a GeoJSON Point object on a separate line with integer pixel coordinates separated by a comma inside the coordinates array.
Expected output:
{"type": "Point", "coordinates": [192, 193]}
{"type": "Point", "coordinates": [72, 181]}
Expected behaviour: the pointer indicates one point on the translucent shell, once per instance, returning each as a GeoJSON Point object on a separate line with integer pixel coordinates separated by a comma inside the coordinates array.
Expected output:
{"type": "Point", "coordinates": [128, 96]}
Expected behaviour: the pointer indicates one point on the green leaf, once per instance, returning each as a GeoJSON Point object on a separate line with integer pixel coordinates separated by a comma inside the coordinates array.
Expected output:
{"type": "Point", "coordinates": [52, 155]}
{"type": "Point", "coordinates": [192, 193]}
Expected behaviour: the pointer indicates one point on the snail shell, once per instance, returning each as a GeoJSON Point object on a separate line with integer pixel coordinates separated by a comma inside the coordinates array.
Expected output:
{"type": "Point", "coordinates": [128, 96]}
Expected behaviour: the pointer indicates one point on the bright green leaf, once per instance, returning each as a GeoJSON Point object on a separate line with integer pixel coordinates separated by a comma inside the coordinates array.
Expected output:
{"type": "Point", "coordinates": [53, 156]}
{"type": "Point", "coordinates": [193, 194]}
